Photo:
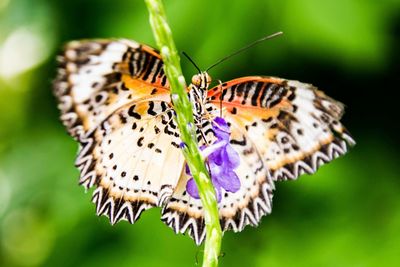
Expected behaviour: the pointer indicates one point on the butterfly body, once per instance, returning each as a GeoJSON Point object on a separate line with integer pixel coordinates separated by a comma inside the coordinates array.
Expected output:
{"type": "Point", "coordinates": [115, 101]}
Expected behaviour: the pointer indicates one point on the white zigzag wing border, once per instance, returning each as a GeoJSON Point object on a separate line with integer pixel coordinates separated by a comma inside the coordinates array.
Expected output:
{"type": "Point", "coordinates": [133, 159]}
{"type": "Point", "coordinates": [183, 213]}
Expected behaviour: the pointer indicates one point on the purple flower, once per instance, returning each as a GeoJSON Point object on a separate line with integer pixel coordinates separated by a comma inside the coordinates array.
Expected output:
{"type": "Point", "coordinates": [222, 159]}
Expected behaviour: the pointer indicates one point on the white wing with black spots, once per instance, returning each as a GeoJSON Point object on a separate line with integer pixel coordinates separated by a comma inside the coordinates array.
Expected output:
{"type": "Point", "coordinates": [184, 213]}
{"type": "Point", "coordinates": [133, 159]}
{"type": "Point", "coordinates": [96, 77]}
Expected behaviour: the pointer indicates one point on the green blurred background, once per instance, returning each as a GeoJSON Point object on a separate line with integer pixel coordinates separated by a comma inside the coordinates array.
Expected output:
{"type": "Point", "coordinates": [348, 214]}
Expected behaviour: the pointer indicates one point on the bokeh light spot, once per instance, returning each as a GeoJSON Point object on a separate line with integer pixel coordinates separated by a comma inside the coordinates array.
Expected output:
{"type": "Point", "coordinates": [26, 237]}
{"type": "Point", "coordinates": [22, 50]}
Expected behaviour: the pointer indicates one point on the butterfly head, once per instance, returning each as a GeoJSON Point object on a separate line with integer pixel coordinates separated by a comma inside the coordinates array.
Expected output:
{"type": "Point", "coordinates": [201, 80]}
{"type": "Point", "coordinates": [198, 92]}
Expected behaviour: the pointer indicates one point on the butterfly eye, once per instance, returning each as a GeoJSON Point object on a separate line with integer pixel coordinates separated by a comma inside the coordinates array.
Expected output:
{"type": "Point", "coordinates": [196, 80]}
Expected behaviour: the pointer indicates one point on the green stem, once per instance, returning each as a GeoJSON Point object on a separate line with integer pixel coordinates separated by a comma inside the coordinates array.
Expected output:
{"type": "Point", "coordinates": [185, 121]}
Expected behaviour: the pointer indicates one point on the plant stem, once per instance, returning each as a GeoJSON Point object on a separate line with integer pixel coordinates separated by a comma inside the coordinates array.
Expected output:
{"type": "Point", "coordinates": [185, 121]}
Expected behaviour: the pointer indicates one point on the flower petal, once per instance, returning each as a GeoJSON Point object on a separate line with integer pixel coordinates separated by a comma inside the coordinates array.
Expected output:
{"type": "Point", "coordinates": [208, 150]}
{"type": "Point", "coordinates": [191, 188]}
{"type": "Point", "coordinates": [231, 157]}
{"type": "Point", "coordinates": [187, 170]}
{"type": "Point", "coordinates": [214, 169]}
{"type": "Point", "coordinates": [216, 157]}
{"type": "Point", "coordinates": [221, 129]}
{"type": "Point", "coordinates": [217, 188]}
{"type": "Point", "coordinates": [229, 181]}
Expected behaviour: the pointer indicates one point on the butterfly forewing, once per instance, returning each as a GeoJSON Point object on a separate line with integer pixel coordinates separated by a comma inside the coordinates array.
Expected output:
{"type": "Point", "coordinates": [97, 77]}
{"type": "Point", "coordinates": [295, 127]}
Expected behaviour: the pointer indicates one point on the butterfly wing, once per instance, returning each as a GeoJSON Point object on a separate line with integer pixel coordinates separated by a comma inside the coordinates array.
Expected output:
{"type": "Point", "coordinates": [95, 77]}
{"type": "Point", "coordinates": [133, 159]}
{"type": "Point", "coordinates": [280, 129]}
{"type": "Point", "coordinates": [184, 213]}
{"type": "Point", "coordinates": [114, 100]}
{"type": "Point", "coordinates": [295, 126]}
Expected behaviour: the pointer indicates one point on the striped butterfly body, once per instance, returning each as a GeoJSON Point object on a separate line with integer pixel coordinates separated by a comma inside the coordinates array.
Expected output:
{"type": "Point", "coordinates": [115, 101]}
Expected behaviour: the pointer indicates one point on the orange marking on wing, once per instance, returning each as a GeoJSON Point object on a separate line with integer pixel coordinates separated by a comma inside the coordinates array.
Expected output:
{"type": "Point", "coordinates": [217, 89]}
{"type": "Point", "coordinates": [85, 120]}
{"type": "Point", "coordinates": [151, 51]}
{"type": "Point", "coordinates": [141, 87]}
{"type": "Point", "coordinates": [142, 108]}
{"type": "Point", "coordinates": [250, 112]}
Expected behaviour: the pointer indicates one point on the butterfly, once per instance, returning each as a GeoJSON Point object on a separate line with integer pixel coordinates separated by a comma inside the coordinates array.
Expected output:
{"type": "Point", "coordinates": [115, 101]}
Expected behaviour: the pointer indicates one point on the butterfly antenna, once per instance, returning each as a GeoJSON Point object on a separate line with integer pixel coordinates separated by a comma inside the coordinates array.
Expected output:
{"type": "Point", "coordinates": [244, 48]}
{"type": "Point", "coordinates": [191, 60]}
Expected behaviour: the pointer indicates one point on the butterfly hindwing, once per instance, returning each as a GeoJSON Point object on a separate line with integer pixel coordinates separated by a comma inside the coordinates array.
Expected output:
{"type": "Point", "coordinates": [134, 160]}
{"type": "Point", "coordinates": [246, 206]}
